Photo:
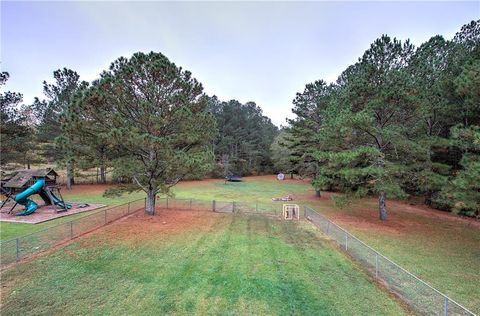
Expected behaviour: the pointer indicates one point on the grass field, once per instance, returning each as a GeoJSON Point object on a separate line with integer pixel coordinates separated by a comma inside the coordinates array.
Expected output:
{"type": "Point", "coordinates": [440, 248]}
{"type": "Point", "coordinates": [261, 189]}
{"type": "Point", "coordinates": [196, 263]}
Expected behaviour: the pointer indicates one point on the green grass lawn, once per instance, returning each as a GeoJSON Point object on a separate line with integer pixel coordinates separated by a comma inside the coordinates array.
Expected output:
{"type": "Point", "coordinates": [441, 251]}
{"type": "Point", "coordinates": [232, 264]}
{"type": "Point", "coordinates": [261, 189]}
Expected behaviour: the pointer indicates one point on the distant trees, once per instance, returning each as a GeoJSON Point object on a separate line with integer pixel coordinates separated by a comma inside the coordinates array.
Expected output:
{"type": "Point", "coordinates": [399, 121]}
{"type": "Point", "coordinates": [53, 128]}
{"type": "Point", "coordinates": [17, 138]}
{"type": "Point", "coordinates": [281, 155]}
{"type": "Point", "coordinates": [245, 135]}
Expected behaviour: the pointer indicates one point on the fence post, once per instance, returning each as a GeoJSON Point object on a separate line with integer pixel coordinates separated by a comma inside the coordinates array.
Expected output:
{"type": "Point", "coordinates": [376, 265]}
{"type": "Point", "coordinates": [233, 207]}
{"type": "Point", "coordinates": [167, 203]}
{"type": "Point", "coordinates": [445, 307]}
{"type": "Point", "coordinates": [71, 229]}
{"type": "Point", "coordinates": [145, 203]}
{"type": "Point", "coordinates": [128, 208]}
{"type": "Point", "coordinates": [213, 205]}
{"type": "Point", "coordinates": [346, 242]}
{"type": "Point", "coordinates": [105, 216]}
{"type": "Point", "coordinates": [17, 249]}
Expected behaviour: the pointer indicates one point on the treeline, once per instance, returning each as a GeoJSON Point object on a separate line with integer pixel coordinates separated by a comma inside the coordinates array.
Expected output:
{"type": "Point", "coordinates": [401, 121]}
{"type": "Point", "coordinates": [242, 146]}
{"type": "Point", "coordinates": [62, 128]}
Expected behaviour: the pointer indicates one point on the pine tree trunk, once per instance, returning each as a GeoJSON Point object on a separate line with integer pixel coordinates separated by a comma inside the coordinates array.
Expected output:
{"type": "Point", "coordinates": [70, 178]}
{"type": "Point", "coordinates": [291, 175]}
{"type": "Point", "coordinates": [103, 173]}
{"type": "Point", "coordinates": [381, 206]}
{"type": "Point", "coordinates": [317, 193]}
{"type": "Point", "coordinates": [151, 196]}
{"type": "Point", "coordinates": [429, 193]}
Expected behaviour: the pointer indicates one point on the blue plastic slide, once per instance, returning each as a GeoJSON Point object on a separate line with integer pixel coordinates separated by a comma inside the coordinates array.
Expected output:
{"type": "Point", "coordinates": [22, 198]}
{"type": "Point", "coordinates": [57, 201]}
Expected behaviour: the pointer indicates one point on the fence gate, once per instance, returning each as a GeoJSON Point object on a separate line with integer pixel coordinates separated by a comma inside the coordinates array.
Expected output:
{"type": "Point", "coordinates": [291, 211]}
{"type": "Point", "coordinates": [223, 207]}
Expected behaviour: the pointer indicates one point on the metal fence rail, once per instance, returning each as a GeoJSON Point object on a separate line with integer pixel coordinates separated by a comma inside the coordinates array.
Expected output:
{"type": "Point", "coordinates": [271, 209]}
{"type": "Point", "coordinates": [419, 295]}
{"type": "Point", "coordinates": [15, 249]}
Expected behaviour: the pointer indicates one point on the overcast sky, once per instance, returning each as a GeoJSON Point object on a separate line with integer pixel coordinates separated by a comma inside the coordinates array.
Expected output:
{"type": "Point", "coordinates": [249, 51]}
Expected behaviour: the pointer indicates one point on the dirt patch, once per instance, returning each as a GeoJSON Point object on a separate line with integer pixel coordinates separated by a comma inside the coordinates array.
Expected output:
{"type": "Point", "coordinates": [429, 212]}
{"type": "Point", "coordinates": [365, 220]}
{"type": "Point", "coordinates": [402, 217]}
{"type": "Point", "coordinates": [140, 227]}
{"type": "Point", "coordinates": [311, 197]}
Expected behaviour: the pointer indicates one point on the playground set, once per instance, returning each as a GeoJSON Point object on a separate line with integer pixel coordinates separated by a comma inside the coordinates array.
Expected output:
{"type": "Point", "coordinates": [20, 185]}
{"type": "Point", "coordinates": [19, 189]}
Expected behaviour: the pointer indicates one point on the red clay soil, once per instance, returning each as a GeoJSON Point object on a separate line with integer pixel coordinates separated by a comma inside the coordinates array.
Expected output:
{"type": "Point", "coordinates": [363, 215]}
{"type": "Point", "coordinates": [140, 227]}
{"type": "Point", "coordinates": [402, 215]}
{"type": "Point", "coordinates": [429, 212]}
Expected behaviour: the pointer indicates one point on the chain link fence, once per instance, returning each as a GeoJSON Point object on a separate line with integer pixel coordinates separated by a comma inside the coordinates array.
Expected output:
{"type": "Point", "coordinates": [15, 249]}
{"type": "Point", "coordinates": [267, 209]}
{"type": "Point", "coordinates": [420, 296]}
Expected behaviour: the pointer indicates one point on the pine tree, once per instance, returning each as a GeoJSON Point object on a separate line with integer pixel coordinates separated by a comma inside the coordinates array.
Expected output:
{"type": "Point", "coordinates": [16, 136]}
{"type": "Point", "coordinates": [52, 129]}
{"type": "Point", "coordinates": [157, 120]}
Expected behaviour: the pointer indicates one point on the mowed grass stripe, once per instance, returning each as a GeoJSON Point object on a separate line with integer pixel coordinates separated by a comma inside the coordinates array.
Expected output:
{"type": "Point", "coordinates": [238, 265]}
{"type": "Point", "coordinates": [192, 282]}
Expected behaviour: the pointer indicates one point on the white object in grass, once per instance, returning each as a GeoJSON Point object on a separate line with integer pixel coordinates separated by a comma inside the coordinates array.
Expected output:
{"type": "Point", "coordinates": [291, 211]}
